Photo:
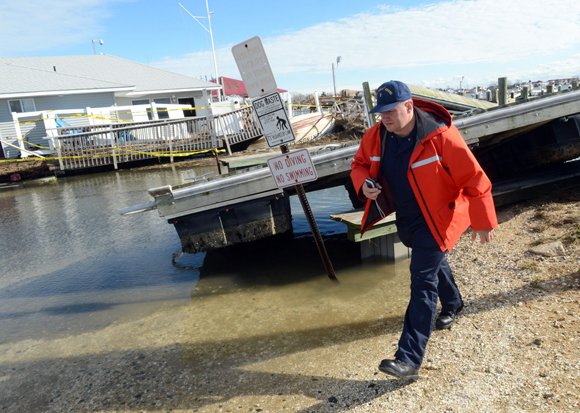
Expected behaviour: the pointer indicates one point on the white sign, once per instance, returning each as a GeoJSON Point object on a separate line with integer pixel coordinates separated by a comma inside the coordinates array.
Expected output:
{"type": "Point", "coordinates": [254, 67]}
{"type": "Point", "coordinates": [273, 119]}
{"type": "Point", "coordinates": [292, 168]}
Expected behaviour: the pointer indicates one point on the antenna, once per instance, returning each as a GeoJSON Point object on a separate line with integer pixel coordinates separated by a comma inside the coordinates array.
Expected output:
{"type": "Point", "coordinates": [209, 30]}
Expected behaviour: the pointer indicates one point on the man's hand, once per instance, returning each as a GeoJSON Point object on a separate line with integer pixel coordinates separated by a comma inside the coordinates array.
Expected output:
{"type": "Point", "coordinates": [371, 193]}
{"type": "Point", "coordinates": [485, 235]}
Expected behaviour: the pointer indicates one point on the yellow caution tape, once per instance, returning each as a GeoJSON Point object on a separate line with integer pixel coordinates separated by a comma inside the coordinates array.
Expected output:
{"type": "Point", "coordinates": [126, 111]}
{"type": "Point", "coordinates": [124, 153]}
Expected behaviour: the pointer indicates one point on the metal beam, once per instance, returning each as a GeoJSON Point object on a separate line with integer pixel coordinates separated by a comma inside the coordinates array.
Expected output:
{"type": "Point", "coordinates": [475, 128]}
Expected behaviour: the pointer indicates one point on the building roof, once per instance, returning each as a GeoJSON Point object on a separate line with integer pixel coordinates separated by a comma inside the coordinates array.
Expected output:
{"type": "Point", "coordinates": [233, 87]}
{"type": "Point", "coordinates": [34, 76]}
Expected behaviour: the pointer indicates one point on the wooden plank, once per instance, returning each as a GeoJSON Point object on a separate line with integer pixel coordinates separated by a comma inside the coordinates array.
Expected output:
{"type": "Point", "coordinates": [353, 221]}
{"type": "Point", "coordinates": [248, 161]}
{"type": "Point", "coordinates": [374, 232]}
{"type": "Point", "coordinates": [381, 240]}
{"type": "Point", "coordinates": [355, 218]}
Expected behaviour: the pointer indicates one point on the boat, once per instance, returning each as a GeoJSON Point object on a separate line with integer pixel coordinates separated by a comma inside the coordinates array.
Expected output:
{"type": "Point", "coordinates": [306, 127]}
{"type": "Point", "coordinates": [311, 126]}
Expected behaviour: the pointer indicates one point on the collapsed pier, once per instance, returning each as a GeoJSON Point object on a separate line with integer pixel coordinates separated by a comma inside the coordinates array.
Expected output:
{"type": "Point", "coordinates": [540, 136]}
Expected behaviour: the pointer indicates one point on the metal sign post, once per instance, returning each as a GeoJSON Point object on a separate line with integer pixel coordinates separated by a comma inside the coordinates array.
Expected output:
{"type": "Point", "coordinates": [313, 226]}
{"type": "Point", "coordinates": [292, 168]}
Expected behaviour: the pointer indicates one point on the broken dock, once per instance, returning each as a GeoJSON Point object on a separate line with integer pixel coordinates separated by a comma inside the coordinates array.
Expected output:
{"type": "Point", "coordinates": [248, 206]}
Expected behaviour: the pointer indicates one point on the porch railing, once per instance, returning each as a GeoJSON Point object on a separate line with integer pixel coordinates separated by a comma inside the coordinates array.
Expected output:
{"type": "Point", "coordinates": [80, 147]}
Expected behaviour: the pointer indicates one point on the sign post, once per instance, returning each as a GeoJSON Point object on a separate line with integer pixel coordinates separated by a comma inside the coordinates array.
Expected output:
{"type": "Point", "coordinates": [312, 222]}
{"type": "Point", "coordinates": [291, 168]}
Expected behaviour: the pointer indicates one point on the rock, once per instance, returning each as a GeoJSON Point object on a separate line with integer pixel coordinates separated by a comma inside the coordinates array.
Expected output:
{"type": "Point", "coordinates": [551, 249]}
{"type": "Point", "coordinates": [543, 372]}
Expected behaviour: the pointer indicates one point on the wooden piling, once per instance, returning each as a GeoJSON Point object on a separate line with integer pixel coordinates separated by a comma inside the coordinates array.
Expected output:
{"type": "Point", "coordinates": [502, 91]}
{"type": "Point", "coordinates": [525, 92]}
{"type": "Point", "coordinates": [369, 103]}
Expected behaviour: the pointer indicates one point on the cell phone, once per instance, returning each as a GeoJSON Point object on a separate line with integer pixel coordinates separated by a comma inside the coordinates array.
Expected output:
{"type": "Point", "coordinates": [370, 183]}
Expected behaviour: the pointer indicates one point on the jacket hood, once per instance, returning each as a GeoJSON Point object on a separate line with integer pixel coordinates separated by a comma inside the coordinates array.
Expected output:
{"type": "Point", "coordinates": [431, 119]}
{"type": "Point", "coordinates": [435, 109]}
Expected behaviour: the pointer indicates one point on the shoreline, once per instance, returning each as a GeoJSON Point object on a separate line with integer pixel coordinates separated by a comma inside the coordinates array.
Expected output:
{"type": "Point", "coordinates": [515, 348]}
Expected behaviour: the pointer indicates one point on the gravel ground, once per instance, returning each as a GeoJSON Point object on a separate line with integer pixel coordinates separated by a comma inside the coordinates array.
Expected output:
{"type": "Point", "coordinates": [514, 349]}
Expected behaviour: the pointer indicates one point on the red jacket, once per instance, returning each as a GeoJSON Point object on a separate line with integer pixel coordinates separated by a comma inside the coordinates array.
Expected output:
{"type": "Point", "coordinates": [450, 186]}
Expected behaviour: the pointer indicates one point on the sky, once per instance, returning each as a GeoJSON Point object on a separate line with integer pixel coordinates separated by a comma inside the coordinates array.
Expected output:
{"type": "Point", "coordinates": [438, 44]}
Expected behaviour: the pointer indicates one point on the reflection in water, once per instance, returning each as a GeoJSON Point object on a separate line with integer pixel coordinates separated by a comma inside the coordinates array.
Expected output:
{"type": "Point", "coordinates": [70, 263]}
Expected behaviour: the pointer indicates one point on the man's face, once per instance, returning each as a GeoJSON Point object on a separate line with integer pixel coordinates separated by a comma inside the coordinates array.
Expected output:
{"type": "Point", "coordinates": [398, 120]}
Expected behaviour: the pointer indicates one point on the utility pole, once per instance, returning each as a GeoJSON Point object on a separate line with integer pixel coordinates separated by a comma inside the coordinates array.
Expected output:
{"type": "Point", "coordinates": [333, 76]}
{"type": "Point", "coordinates": [209, 30]}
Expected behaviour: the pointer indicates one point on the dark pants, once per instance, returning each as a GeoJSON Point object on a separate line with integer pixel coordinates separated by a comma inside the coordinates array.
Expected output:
{"type": "Point", "coordinates": [431, 277]}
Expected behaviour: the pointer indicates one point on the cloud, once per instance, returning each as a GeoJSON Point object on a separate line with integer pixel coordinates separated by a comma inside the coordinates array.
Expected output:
{"type": "Point", "coordinates": [430, 44]}
{"type": "Point", "coordinates": [494, 34]}
{"type": "Point", "coordinates": [554, 69]}
{"type": "Point", "coordinates": [37, 25]}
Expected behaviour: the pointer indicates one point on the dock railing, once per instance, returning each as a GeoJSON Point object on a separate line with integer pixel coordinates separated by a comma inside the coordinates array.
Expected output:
{"type": "Point", "coordinates": [238, 126]}
{"type": "Point", "coordinates": [80, 147]}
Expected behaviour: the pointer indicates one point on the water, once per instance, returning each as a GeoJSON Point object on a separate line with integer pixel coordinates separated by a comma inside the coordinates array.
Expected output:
{"type": "Point", "coordinates": [71, 264]}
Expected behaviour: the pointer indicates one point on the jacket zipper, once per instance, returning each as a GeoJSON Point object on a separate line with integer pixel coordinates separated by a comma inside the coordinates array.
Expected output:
{"type": "Point", "coordinates": [427, 208]}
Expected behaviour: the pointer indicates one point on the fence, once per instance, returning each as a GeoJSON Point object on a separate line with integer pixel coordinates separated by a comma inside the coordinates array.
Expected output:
{"type": "Point", "coordinates": [101, 145]}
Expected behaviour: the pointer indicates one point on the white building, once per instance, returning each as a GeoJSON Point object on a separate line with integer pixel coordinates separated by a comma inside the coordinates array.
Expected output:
{"type": "Point", "coordinates": [39, 84]}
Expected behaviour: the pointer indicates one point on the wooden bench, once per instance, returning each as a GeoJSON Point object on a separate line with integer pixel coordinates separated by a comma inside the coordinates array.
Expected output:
{"type": "Point", "coordinates": [381, 240]}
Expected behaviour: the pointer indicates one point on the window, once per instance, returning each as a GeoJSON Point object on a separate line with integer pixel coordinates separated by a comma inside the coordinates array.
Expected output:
{"type": "Point", "coordinates": [143, 102]}
{"type": "Point", "coordinates": [162, 112]}
{"type": "Point", "coordinates": [140, 102]}
{"type": "Point", "coordinates": [22, 105]}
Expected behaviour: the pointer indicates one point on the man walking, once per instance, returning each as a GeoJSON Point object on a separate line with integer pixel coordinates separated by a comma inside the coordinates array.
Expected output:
{"type": "Point", "coordinates": [415, 163]}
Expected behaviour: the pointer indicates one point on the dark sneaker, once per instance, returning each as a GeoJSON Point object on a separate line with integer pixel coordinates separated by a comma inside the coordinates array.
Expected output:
{"type": "Point", "coordinates": [399, 369]}
{"type": "Point", "coordinates": [445, 319]}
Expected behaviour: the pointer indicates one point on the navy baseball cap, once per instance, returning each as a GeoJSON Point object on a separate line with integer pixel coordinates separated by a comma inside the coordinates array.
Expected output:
{"type": "Point", "coordinates": [389, 95]}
